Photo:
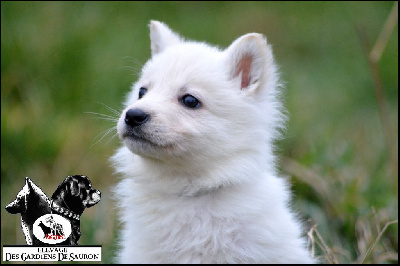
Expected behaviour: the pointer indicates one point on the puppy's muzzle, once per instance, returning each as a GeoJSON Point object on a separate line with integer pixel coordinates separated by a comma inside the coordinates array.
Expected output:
{"type": "Point", "coordinates": [136, 117]}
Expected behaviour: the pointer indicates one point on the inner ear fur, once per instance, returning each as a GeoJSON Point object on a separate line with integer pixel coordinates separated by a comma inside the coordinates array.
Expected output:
{"type": "Point", "coordinates": [243, 68]}
{"type": "Point", "coordinates": [247, 58]}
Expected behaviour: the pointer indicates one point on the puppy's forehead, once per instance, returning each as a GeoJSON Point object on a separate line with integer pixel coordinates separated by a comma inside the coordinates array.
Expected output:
{"type": "Point", "coordinates": [182, 62]}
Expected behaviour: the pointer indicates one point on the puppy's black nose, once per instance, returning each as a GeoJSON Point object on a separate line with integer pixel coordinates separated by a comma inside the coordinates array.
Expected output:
{"type": "Point", "coordinates": [136, 117]}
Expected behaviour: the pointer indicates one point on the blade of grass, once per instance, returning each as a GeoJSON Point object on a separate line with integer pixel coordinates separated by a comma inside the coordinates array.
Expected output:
{"type": "Point", "coordinates": [385, 34]}
{"type": "Point", "coordinates": [322, 244]}
{"type": "Point", "coordinates": [373, 56]}
{"type": "Point", "coordinates": [377, 239]}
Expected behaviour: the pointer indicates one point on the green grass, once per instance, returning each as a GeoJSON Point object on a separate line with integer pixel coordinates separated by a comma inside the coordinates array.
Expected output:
{"type": "Point", "coordinates": [60, 60]}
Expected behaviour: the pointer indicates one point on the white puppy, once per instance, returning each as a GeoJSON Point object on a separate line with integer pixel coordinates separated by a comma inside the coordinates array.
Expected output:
{"type": "Point", "coordinates": [200, 180]}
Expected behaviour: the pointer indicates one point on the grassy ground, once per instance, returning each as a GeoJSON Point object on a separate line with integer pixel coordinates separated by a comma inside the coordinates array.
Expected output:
{"type": "Point", "coordinates": [60, 60]}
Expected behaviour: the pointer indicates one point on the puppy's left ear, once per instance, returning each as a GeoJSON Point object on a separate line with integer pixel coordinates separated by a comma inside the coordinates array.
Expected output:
{"type": "Point", "coordinates": [248, 59]}
{"type": "Point", "coordinates": [161, 37]}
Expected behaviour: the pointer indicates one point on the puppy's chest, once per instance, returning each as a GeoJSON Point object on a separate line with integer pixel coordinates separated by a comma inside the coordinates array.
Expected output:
{"type": "Point", "coordinates": [193, 228]}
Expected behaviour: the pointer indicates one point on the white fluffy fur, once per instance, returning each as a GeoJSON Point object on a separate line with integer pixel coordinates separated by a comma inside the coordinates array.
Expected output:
{"type": "Point", "coordinates": [205, 189]}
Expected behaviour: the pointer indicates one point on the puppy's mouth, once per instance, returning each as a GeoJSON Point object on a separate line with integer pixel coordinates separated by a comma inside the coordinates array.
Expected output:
{"type": "Point", "coordinates": [134, 136]}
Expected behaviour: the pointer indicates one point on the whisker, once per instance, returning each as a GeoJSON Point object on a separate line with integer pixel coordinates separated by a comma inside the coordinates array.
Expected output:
{"type": "Point", "coordinates": [113, 117]}
{"type": "Point", "coordinates": [137, 65]}
{"type": "Point", "coordinates": [113, 136]}
{"type": "Point", "coordinates": [134, 68]}
{"type": "Point", "coordinates": [134, 60]}
{"type": "Point", "coordinates": [103, 116]}
{"type": "Point", "coordinates": [110, 108]}
{"type": "Point", "coordinates": [105, 133]}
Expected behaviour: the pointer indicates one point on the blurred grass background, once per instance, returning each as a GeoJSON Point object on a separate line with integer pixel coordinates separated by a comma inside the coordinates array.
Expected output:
{"type": "Point", "coordinates": [60, 60]}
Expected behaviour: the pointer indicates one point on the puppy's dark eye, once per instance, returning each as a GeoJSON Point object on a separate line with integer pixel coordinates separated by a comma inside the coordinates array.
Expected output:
{"type": "Point", "coordinates": [190, 101]}
{"type": "Point", "coordinates": [142, 92]}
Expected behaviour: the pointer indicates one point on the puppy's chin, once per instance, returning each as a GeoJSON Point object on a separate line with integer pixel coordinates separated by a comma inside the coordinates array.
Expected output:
{"type": "Point", "coordinates": [147, 147]}
{"type": "Point", "coordinates": [140, 146]}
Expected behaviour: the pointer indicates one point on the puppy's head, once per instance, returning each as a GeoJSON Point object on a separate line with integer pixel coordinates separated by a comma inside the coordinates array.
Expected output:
{"type": "Point", "coordinates": [196, 101]}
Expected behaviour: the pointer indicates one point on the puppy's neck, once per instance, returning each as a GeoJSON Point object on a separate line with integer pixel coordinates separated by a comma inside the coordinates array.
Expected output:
{"type": "Point", "coordinates": [196, 179]}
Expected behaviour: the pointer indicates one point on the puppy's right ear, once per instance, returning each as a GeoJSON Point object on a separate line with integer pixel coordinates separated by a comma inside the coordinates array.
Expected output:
{"type": "Point", "coordinates": [249, 60]}
{"type": "Point", "coordinates": [161, 37]}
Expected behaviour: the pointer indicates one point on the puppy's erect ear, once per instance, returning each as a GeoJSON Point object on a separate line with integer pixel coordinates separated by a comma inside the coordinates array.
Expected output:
{"type": "Point", "coordinates": [248, 58]}
{"type": "Point", "coordinates": [161, 37]}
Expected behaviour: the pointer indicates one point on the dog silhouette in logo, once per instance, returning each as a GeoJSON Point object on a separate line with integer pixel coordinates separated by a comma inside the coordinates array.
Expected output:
{"type": "Point", "coordinates": [55, 230]}
{"type": "Point", "coordinates": [46, 230]}
{"type": "Point", "coordinates": [69, 200]}
{"type": "Point", "coordinates": [31, 203]}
